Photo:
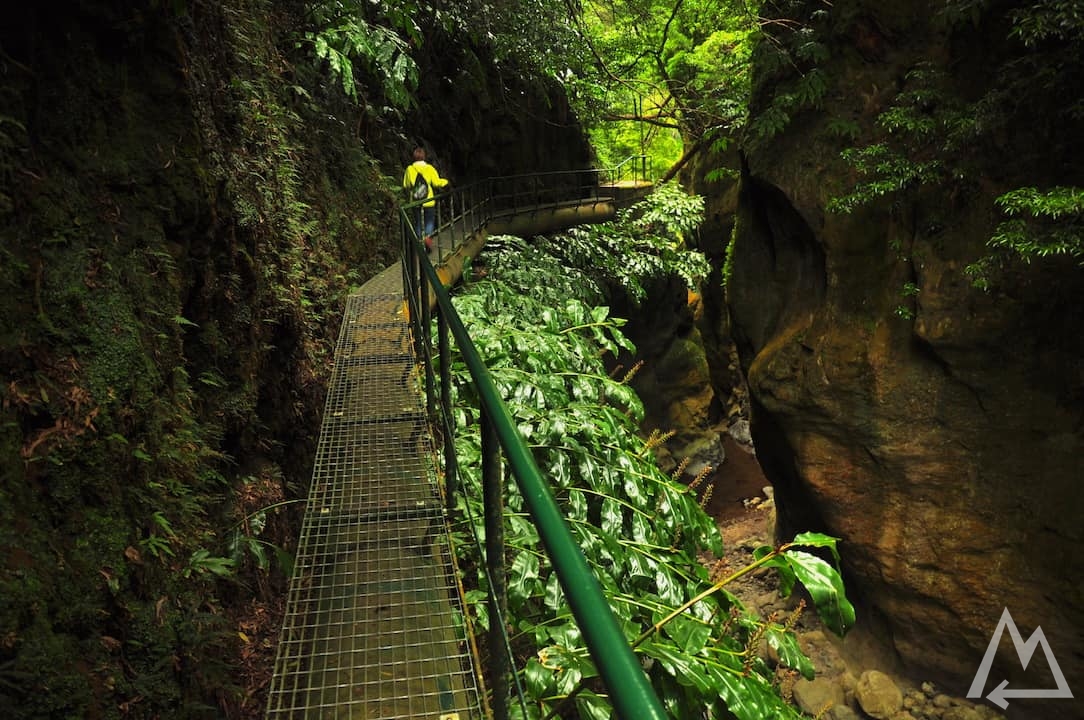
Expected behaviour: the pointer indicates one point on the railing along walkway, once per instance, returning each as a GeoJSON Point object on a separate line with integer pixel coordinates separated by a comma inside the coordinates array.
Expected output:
{"type": "Point", "coordinates": [374, 621]}
{"type": "Point", "coordinates": [375, 626]}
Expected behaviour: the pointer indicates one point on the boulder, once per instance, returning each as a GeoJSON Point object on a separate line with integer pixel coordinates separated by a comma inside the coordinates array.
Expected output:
{"type": "Point", "coordinates": [841, 712]}
{"type": "Point", "coordinates": [813, 696]}
{"type": "Point", "coordinates": [878, 695]}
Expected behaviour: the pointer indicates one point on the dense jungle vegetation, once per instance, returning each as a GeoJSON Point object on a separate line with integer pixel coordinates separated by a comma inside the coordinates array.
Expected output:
{"type": "Point", "coordinates": [188, 190]}
{"type": "Point", "coordinates": [644, 533]}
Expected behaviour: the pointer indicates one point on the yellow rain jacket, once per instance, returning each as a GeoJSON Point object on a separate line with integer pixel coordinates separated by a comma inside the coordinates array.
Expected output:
{"type": "Point", "coordinates": [432, 177]}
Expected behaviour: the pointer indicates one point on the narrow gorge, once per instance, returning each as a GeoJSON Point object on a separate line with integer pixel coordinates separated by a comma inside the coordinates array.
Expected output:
{"type": "Point", "coordinates": [888, 335]}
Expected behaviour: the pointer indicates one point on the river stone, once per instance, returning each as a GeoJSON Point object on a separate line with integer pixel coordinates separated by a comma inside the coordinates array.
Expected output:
{"type": "Point", "coordinates": [878, 695]}
{"type": "Point", "coordinates": [840, 712]}
{"type": "Point", "coordinates": [740, 432]}
{"type": "Point", "coordinates": [961, 712]}
{"type": "Point", "coordinates": [705, 452]}
{"type": "Point", "coordinates": [812, 695]}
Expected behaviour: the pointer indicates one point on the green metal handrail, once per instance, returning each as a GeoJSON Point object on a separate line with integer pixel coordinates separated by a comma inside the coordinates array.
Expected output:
{"type": "Point", "coordinates": [463, 209]}
{"type": "Point", "coordinates": [639, 169]}
{"type": "Point", "coordinates": [624, 678]}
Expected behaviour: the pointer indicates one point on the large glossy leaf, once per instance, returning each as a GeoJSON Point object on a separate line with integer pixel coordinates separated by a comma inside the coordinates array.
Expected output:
{"type": "Point", "coordinates": [690, 634]}
{"type": "Point", "coordinates": [554, 597]}
{"type": "Point", "coordinates": [684, 668]}
{"type": "Point", "coordinates": [642, 530]}
{"type": "Point", "coordinates": [523, 576]}
{"type": "Point", "coordinates": [565, 633]}
{"type": "Point", "coordinates": [750, 698]}
{"type": "Point", "coordinates": [825, 586]}
{"type": "Point", "coordinates": [786, 573]}
{"type": "Point", "coordinates": [811, 539]}
{"type": "Point", "coordinates": [593, 707]}
{"type": "Point", "coordinates": [785, 644]}
{"type": "Point", "coordinates": [538, 679]}
{"type": "Point", "coordinates": [569, 665]}
{"type": "Point", "coordinates": [668, 585]}
{"type": "Point", "coordinates": [612, 517]}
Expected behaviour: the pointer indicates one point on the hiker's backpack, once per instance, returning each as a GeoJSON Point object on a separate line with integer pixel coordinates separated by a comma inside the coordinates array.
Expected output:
{"type": "Point", "coordinates": [420, 191]}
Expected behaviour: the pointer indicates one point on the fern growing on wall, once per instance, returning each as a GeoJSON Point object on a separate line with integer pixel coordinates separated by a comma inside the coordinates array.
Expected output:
{"type": "Point", "coordinates": [931, 136]}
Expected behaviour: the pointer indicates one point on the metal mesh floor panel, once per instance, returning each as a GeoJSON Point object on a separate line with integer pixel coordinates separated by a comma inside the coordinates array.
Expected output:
{"type": "Point", "coordinates": [374, 621]}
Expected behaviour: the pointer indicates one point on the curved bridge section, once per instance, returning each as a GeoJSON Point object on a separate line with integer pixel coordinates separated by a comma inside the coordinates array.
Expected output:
{"type": "Point", "coordinates": [375, 626]}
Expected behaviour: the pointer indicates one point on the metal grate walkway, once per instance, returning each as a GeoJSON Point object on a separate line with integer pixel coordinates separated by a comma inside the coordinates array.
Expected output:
{"type": "Point", "coordinates": [374, 621]}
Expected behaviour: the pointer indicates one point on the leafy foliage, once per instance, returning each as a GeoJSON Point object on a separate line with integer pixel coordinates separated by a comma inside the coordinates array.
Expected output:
{"type": "Point", "coordinates": [788, 57]}
{"type": "Point", "coordinates": [1044, 222]}
{"type": "Point", "coordinates": [537, 320]}
{"type": "Point", "coordinates": [935, 136]}
{"type": "Point", "coordinates": [1047, 20]}
{"type": "Point", "coordinates": [167, 282]}
{"type": "Point", "coordinates": [663, 70]}
{"type": "Point", "coordinates": [645, 242]}
{"type": "Point", "coordinates": [372, 35]}
{"type": "Point", "coordinates": [925, 129]}
{"type": "Point", "coordinates": [1041, 224]}
{"type": "Point", "coordinates": [381, 51]}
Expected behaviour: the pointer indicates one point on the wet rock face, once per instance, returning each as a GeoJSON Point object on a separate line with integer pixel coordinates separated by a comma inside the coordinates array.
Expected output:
{"type": "Point", "coordinates": [948, 464]}
{"type": "Point", "coordinates": [943, 448]}
{"type": "Point", "coordinates": [672, 373]}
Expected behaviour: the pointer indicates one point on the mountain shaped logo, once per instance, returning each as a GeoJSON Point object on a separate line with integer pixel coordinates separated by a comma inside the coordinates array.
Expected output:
{"type": "Point", "coordinates": [1024, 650]}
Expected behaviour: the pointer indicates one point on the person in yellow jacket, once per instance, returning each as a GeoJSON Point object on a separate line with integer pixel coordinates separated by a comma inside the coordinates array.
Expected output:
{"type": "Point", "coordinates": [420, 180]}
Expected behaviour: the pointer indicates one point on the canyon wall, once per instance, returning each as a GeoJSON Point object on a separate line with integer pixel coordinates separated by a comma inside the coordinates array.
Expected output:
{"type": "Point", "coordinates": [934, 427]}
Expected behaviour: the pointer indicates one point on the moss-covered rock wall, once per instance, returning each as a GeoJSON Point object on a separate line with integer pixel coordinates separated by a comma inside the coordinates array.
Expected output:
{"type": "Point", "coordinates": [480, 119]}
{"type": "Point", "coordinates": [171, 273]}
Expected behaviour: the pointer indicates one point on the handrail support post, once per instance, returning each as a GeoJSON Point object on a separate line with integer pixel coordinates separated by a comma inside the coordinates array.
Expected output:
{"type": "Point", "coordinates": [451, 468]}
{"type": "Point", "coordinates": [427, 345]}
{"type": "Point", "coordinates": [493, 495]}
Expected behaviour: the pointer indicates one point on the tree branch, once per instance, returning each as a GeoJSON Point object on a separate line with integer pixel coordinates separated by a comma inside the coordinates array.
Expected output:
{"type": "Point", "coordinates": [657, 120]}
{"type": "Point", "coordinates": [684, 159]}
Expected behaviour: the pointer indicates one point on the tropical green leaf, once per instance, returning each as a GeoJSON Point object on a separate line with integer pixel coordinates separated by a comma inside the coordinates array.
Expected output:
{"type": "Point", "coordinates": [785, 644]}
{"type": "Point", "coordinates": [523, 576]}
{"type": "Point", "coordinates": [642, 533]}
{"type": "Point", "coordinates": [787, 577]}
{"type": "Point", "coordinates": [683, 667]}
{"type": "Point", "coordinates": [812, 539]}
{"type": "Point", "coordinates": [690, 634]}
{"type": "Point", "coordinates": [825, 586]}
{"type": "Point", "coordinates": [538, 679]}
{"type": "Point", "coordinates": [554, 595]}
{"type": "Point", "coordinates": [612, 517]}
{"type": "Point", "coordinates": [750, 698]}
{"type": "Point", "coordinates": [592, 706]}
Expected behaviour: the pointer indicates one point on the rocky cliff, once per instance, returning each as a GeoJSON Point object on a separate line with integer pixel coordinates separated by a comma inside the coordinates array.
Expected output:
{"type": "Point", "coordinates": [936, 428]}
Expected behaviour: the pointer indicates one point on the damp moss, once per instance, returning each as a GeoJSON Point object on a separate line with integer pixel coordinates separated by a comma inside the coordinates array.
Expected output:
{"type": "Point", "coordinates": [152, 342]}
{"type": "Point", "coordinates": [48, 677]}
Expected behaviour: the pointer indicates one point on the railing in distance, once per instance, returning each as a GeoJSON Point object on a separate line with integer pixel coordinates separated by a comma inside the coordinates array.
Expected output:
{"type": "Point", "coordinates": [462, 210]}
{"type": "Point", "coordinates": [469, 209]}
